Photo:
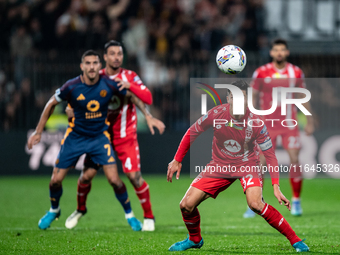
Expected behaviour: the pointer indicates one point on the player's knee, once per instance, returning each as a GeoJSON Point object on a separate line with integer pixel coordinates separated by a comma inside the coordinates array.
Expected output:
{"type": "Point", "coordinates": [255, 206]}
{"type": "Point", "coordinates": [85, 179]}
{"type": "Point", "coordinates": [186, 207]}
{"type": "Point", "coordinates": [87, 175]}
{"type": "Point", "coordinates": [135, 179]}
{"type": "Point", "coordinates": [115, 182]}
{"type": "Point", "coordinates": [55, 182]}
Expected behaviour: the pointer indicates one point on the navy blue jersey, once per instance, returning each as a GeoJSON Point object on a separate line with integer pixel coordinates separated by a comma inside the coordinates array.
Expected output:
{"type": "Point", "coordinates": [89, 103]}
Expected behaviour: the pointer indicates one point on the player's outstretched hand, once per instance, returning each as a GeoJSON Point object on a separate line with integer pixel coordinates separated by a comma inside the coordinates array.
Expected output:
{"type": "Point", "coordinates": [280, 197]}
{"type": "Point", "coordinates": [153, 122]}
{"type": "Point", "coordinates": [33, 139]}
{"type": "Point", "coordinates": [122, 84]}
{"type": "Point", "coordinates": [173, 167]}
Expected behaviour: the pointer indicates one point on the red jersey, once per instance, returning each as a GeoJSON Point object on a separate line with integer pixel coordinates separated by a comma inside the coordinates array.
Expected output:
{"type": "Point", "coordinates": [266, 77]}
{"type": "Point", "coordinates": [235, 145]}
{"type": "Point", "coordinates": [122, 112]}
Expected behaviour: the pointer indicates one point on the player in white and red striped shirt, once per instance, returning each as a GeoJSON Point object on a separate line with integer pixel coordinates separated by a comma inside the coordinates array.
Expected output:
{"type": "Point", "coordinates": [122, 116]}
{"type": "Point", "coordinates": [279, 74]}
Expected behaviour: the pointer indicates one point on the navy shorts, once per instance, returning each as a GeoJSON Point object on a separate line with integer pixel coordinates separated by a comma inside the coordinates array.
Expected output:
{"type": "Point", "coordinates": [74, 145]}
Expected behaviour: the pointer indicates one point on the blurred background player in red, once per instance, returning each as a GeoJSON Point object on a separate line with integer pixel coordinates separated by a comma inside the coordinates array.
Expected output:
{"type": "Point", "coordinates": [280, 73]}
{"type": "Point", "coordinates": [122, 116]}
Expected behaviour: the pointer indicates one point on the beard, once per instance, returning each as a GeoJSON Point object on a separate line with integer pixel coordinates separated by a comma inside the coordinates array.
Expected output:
{"type": "Point", "coordinates": [115, 67]}
{"type": "Point", "coordinates": [91, 78]}
{"type": "Point", "coordinates": [280, 61]}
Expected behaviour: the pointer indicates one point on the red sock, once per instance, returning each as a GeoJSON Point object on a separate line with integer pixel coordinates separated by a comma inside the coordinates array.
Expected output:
{"type": "Point", "coordinates": [192, 222]}
{"type": "Point", "coordinates": [296, 180]}
{"type": "Point", "coordinates": [276, 220]}
{"type": "Point", "coordinates": [83, 190]}
{"type": "Point", "coordinates": [144, 199]}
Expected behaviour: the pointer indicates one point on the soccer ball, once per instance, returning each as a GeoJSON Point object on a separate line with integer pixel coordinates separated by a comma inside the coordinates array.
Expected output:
{"type": "Point", "coordinates": [231, 59]}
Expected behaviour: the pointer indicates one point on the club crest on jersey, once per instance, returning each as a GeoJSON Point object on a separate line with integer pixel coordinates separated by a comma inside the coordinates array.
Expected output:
{"type": "Point", "coordinates": [249, 132]}
{"type": "Point", "coordinates": [232, 145]}
{"type": "Point", "coordinates": [103, 93]}
{"type": "Point", "coordinates": [225, 58]}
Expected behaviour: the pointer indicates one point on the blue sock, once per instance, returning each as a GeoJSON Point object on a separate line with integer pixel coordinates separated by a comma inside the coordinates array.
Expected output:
{"type": "Point", "coordinates": [123, 198]}
{"type": "Point", "coordinates": [55, 194]}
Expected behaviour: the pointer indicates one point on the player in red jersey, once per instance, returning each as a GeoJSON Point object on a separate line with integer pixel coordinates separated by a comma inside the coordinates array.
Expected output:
{"type": "Point", "coordinates": [234, 146]}
{"type": "Point", "coordinates": [277, 74]}
{"type": "Point", "coordinates": [123, 130]}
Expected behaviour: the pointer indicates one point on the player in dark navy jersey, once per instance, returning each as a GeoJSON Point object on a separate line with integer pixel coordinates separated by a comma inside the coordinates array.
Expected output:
{"type": "Point", "coordinates": [89, 95]}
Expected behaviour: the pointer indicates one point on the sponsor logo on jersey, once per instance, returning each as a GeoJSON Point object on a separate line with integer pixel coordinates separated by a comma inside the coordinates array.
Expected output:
{"type": "Point", "coordinates": [232, 145]}
{"type": "Point", "coordinates": [93, 105]}
{"type": "Point", "coordinates": [103, 93]}
{"type": "Point", "coordinates": [111, 160]}
{"type": "Point", "coordinates": [80, 97]}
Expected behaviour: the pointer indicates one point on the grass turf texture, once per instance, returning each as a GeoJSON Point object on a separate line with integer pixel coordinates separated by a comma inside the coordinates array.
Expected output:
{"type": "Point", "coordinates": [104, 229]}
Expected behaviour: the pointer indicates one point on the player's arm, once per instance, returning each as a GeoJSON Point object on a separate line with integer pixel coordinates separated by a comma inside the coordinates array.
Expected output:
{"type": "Point", "coordinates": [201, 125]}
{"type": "Point", "coordinates": [47, 112]}
{"type": "Point", "coordinates": [137, 87]}
{"type": "Point", "coordinates": [151, 121]}
{"type": "Point", "coordinates": [265, 144]}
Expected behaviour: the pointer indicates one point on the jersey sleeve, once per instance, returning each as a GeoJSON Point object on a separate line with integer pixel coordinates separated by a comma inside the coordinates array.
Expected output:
{"type": "Point", "coordinates": [256, 82]}
{"type": "Point", "coordinates": [63, 93]}
{"type": "Point", "coordinates": [265, 143]}
{"type": "Point", "coordinates": [201, 125]}
{"type": "Point", "coordinates": [140, 90]}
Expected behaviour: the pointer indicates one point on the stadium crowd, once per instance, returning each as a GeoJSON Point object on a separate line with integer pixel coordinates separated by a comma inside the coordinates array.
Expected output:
{"type": "Point", "coordinates": [165, 42]}
{"type": "Point", "coordinates": [161, 38]}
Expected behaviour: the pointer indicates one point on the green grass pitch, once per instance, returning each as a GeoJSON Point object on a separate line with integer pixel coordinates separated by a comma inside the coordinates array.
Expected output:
{"type": "Point", "coordinates": [104, 230]}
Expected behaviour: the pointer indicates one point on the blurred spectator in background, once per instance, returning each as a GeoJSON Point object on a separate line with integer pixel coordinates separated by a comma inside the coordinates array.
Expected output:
{"type": "Point", "coordinates": [21, 45]}
{"type": "Point", "coordinates": [167, 42]}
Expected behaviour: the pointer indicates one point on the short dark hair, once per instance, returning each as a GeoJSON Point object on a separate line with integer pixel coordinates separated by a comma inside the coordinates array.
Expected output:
{"type": "Point", "coordinates": [241, 84]}
{"type": "Point", "coordinates": [111, 43]}
{"type": "Point", "coordinates": [279, 41]}
{"type": "Point", "coordinates": [90, 53]}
